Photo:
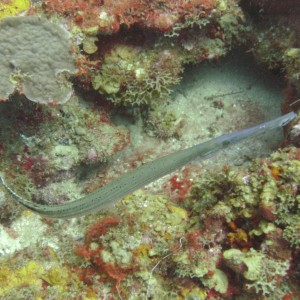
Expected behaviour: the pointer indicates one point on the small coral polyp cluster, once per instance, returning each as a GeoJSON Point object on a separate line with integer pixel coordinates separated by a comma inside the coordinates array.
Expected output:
{"type": "Point", "coordinates": [67, 66]}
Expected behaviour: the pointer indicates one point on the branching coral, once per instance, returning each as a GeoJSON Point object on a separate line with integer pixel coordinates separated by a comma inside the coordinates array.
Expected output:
{"type": "Point", "coordinates": [131, 76]}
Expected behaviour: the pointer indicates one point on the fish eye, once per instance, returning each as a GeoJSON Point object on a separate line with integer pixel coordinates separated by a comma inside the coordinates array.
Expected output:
{"type": "Point", "coordinates": [285, 122]}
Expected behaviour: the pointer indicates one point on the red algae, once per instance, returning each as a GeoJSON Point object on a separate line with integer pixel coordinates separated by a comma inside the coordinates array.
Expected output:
{"type": "Point", "coordinates": [100, 227]}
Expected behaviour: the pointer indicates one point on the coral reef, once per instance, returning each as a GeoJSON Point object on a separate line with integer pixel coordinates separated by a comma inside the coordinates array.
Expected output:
{"type": "Point", "coordinates": [232, 238]}
{"type": "Point", "coordinates": [160, 40]}
{"type": "Point", "coordinates": [284, 56]}
{"type": "Point", "coordinates": [88, 65]}
{"type": "Point", "coordinates": [263, 272]}
{"type": "Point", "coordinates": [268, 194]}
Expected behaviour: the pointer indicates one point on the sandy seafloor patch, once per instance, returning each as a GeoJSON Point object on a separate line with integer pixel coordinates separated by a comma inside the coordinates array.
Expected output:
{"type": "Point", "coordinates": [250, 95]}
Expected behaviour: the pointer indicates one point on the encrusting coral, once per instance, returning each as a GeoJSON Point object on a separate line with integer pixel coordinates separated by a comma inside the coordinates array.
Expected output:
{"type": "Point", "coordinates": [28, 63]}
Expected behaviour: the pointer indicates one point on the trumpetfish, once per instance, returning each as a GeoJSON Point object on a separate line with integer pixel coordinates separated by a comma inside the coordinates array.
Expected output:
{"type": "Point", "coordinates": [149, 172]}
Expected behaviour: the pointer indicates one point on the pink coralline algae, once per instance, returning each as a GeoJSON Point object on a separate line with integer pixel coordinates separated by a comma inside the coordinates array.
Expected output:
{"type": "Point", "coordinates": [109, 15]}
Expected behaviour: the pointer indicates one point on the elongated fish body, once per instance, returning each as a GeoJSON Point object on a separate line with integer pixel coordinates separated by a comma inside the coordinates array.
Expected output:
{"type": "Point", "coordinates": [145, 174]}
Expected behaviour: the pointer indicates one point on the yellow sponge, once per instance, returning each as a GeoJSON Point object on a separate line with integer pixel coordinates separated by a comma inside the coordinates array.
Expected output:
{"type": "Point", "coordinates": [13, 7]}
